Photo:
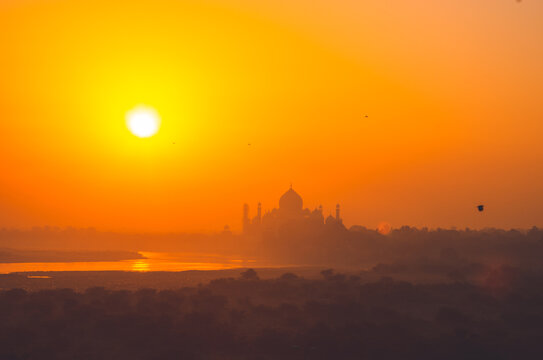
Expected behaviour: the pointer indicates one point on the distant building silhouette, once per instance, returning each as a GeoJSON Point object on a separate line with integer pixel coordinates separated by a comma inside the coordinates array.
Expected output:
{"type": "Point", "coordinates": [291, 211]}
{"type": "Point", "coordinates": [246, 221]}
{"type": "Point", "coordinates": [258, 218]}
{"type": "Point", "coordinates": [226, 231]}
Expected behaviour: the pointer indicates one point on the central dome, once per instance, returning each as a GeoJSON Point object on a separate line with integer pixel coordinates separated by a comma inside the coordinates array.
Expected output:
{"type": "Point", "coordinates": [291, 201]}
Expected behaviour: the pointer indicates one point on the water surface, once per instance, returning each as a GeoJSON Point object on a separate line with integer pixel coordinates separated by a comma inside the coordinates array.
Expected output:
{"type": "Point", "coordinates": [152, 261]}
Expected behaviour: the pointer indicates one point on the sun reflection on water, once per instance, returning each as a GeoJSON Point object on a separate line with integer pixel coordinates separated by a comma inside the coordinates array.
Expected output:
{"type": "Point", "coordinates": [149, 261]}
{"type": "Point", "coordinates": [140, 266]}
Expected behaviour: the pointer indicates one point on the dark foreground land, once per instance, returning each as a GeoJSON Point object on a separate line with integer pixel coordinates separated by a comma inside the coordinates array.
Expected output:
{"type": "Point", "coordinates": [497, 314]}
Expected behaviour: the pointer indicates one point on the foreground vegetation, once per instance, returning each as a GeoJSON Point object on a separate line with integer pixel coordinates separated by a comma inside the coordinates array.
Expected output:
{"type": "Point", "coordinates": [336, 317]}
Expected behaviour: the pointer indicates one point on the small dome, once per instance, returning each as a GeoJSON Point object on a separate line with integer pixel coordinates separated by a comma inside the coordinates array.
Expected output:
{"type": "Point", "coordinates": [330, 220]}
{"type": "Point", "coordinates": [291, 201]}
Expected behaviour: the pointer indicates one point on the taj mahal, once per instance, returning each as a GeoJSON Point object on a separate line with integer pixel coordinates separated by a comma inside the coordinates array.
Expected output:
{"type": "Point", "coordinates": [291, 211]}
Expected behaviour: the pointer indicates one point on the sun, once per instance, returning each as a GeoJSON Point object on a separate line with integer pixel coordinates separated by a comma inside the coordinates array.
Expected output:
{"type": "Point", "coordinates": [143, 121]}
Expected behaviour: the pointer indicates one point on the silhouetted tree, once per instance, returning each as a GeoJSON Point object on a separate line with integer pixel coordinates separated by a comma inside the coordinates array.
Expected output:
{"type": "Point", "coordinates": [288, 276]}
{"type": "Point", "coordinates": [249, 274]}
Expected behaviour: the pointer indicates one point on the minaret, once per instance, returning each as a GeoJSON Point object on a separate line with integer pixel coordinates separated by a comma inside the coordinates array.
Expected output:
{"type": "Point", "coordinates": [338, 219]}
{"type": "Point", "coordinates": [259, 213]}
{"type": "Point", "coordinates": [246, 221]}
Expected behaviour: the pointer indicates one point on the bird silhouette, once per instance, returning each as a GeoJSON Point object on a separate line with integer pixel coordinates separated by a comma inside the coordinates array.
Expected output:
{"type": "Point", "coordinates": [480, 208]}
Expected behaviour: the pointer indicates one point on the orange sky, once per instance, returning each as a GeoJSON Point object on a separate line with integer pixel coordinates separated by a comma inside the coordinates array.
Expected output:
{"type": "Point", "coordinates": [452, 88]}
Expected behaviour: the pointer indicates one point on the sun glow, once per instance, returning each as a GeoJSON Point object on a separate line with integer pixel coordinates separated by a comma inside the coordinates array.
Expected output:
{"type": "Point", "coordinates": [140, 266]}
{"type": "Point", "coordinates": [143, 121]}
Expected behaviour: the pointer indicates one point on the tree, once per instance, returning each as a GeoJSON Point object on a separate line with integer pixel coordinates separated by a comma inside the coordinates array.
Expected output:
{"type": "Point", "coordinates": [249, 274]}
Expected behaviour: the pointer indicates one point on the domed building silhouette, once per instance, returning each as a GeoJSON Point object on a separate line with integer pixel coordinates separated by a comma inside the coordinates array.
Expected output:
{"type": "Point", "coordinates": [291, 201]}
{"type": "Point", "coordinates": [290, 212]}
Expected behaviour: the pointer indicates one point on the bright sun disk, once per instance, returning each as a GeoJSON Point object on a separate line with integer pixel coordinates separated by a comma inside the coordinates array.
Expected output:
{"type": "Point", "coordinates": [143, 121]}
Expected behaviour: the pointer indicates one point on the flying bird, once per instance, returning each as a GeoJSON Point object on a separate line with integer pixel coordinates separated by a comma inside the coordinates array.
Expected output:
{"type": "Point", "coordinates": [480, 208]}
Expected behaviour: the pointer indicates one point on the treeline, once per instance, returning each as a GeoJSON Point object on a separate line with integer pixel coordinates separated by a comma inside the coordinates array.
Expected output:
{"type": "Point", "coordinates": [336, 317]}
{"type": "Point", "coordinates": [20, 256]}
{"type": "Point", "coordinates": [308, 244]}
{"type": "Point", "coordinates": [90, 239]}
{"type": "Point", "coordinates": [362, 246]}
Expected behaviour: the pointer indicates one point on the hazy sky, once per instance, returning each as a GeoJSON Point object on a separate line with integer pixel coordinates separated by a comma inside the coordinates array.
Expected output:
{"type": "Point", "coordinates": [452, 89]}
